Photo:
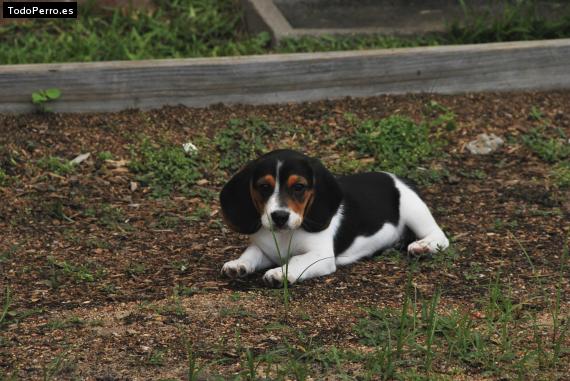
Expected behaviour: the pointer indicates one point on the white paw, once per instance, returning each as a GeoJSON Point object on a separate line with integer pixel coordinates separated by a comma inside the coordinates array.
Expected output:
{"type": "Point", "coordinates": [275, 277]}
{"type": "Point", "coordinates": [237, 269]}
{"type": "Point", "coordinates": [428, 245]}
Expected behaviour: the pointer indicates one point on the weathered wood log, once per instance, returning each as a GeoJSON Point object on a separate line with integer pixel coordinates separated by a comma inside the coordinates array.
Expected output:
{"type": "Point", "coordinates": [278, 78]}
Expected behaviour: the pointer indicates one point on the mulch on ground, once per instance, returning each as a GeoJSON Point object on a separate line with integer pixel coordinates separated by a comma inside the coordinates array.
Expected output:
{"type": "Point", "coordinates": [119, 291]}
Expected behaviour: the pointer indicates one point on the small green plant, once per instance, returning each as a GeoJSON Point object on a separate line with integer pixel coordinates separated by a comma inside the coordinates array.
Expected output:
{"type": "Point", "coordinates": [549, 148]}
{"type": "Point", "coordinates": [194, 367]}
{"type": "Point", "coordinates": [442, 117]}
{"type": "Point", "coordinates": [397, 144]}
{"type": "Point", "coordinates": [509, 21]}
{"type": "Point", "coordinates": [235, 296]}
{"type": "Point", "coordinates": [108, 216]}
{"type": "Point", "coordinates": [235, 311]}
{"type": "Point", "coordinates": [136, 269]}
{"type": "Point", "coordinates": [156, 357]}
{"type": "Point", "coordinates": [187, 291]}
{"type": "Point", "coordinates": [250, 366]}
{"type": "Point", "coordinates": [200, 213]}
{"type": "Point", "coordinates": [560, 173]}
{"type": "Point", "coordinates": [97, 243]}
{"type": "Point", "coordinates": [241, 141]}
{"type": "Point", "coordinates": [55, 209]}
{"type": "Point", "coordinates": [176, 302]}
{"type": "Point", "coordinates": [41, 97]}
{"type": "Point", "coordinates": [56, 165]}
{"type": "Point", "coordinates": [524, 251]}
{"type": "Point", "coordinates": [535, 114]}
{"type": "Point", "coordinates": [6, 306]}
{"type": "Point", "coordinates": [345, 165]}
{"type": "Point", "coordinates": [165, 168]}
{"type": "Point", "coordinates": [58, 366]}
{"type": "Point", "coordinates": [167, 222]}
{"type": "Point", "coordinates": [105, 155]}
{"type": "Point", "coordinates": [501, 224]}
{"type": "Point", "coordinates": [3, 177]}
{"type": "Point", "coordinates": [477, 174]}
{"type": "Point", "coordinates": [79, 273]}
{"type": "Point", "coordinates": [71, 322]}
{"type": "Point", "coordinates": [5, 255]}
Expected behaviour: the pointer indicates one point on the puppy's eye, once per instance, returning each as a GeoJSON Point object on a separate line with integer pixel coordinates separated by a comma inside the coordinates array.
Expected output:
{"type": "Point", "coordinates": [264, 187]}
{"type": "Point", "coordinates": [298, 187]}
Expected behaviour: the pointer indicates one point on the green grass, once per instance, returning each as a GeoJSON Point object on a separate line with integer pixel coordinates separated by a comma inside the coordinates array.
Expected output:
{"type": "Point", "coordinates": [164, 168]}
{"type": "Point", "coordinates": [166, 222]}
{"type": "Point", "coordinates": [211, 28]}
{"type": "Point", "coordinates": [7, 254]}
{"type": "Point", "coordinates": [136, 269]}
{"type": "Point", "coordinates": [56, 165]}
{"type": "Point", "coordinates": [177, 28]}
{"type": "Point", "coordinates": [71, 322]}
{"type": "Point", "coordinates": [3, 177]}
{"type": "Point", "coordinates": [561, 175]}
{"type": "Point", "coordinates": [105, 155]}
{"type": "Point", "coordinates": [353, 42]}
{"type": "Point", "coordinates": [7, 302]}
{"type": "Point", "coordinates": [425, 340]}
{"type": "Point", "coordinates": [62, 270]}
{"type": "Point", "coordinates": [9, 162]}
{"type": "Point", "coordinates": [60, 366]}
{"type": "Point", "coordinates": [156, 357]}
{"type": "Point", "coordinates": [108, 216]}
{"type": "Point", "coordinates": [241, 141]}
{"type": "Point", "coordinates": [501, 336]}
{"type": "Point", "coordinates": [55, 209]}
{"type": "Point", "coordinates": [517, 21]}
{"type": "Point", "coordinates": [201, 213]}
{"type": "Point", "coordinates": [549, 144]}
{"type": "Point", "coordinates": [398, 144]}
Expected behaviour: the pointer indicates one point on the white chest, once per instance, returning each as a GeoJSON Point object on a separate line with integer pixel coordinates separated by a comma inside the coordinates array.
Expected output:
{"type": "Point", "coordinates": [280, 246]}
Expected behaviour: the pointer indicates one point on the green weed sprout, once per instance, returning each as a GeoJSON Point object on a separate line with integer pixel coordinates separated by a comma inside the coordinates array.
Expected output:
{"type": "Point", "coordinates": [41, 97]}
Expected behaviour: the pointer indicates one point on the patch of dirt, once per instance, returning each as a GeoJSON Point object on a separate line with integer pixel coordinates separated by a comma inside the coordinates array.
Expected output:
{"type": "Point", "coordinates": [114, 294]}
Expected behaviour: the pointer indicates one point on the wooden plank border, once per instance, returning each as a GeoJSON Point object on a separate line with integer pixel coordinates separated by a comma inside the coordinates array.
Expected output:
{"type": "Point", "coordinates": [112, 86]}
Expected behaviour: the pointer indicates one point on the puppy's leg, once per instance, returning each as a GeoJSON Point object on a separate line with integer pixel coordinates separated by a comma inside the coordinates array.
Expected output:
{"type": "Point", "coordinates": [416, 215]}
{"type": "Point", "coordinates": [310, 265]}
{"type": "Point", "coordinates": [249, 262]}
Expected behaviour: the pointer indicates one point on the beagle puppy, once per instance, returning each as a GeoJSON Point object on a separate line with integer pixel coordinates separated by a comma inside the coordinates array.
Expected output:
{"type": "Point", "coordinates": [303, 222]}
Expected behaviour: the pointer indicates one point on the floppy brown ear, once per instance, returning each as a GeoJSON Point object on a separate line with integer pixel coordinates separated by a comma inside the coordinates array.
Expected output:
{"type": "Point", "coordinates": [326, 199]}
{"type": "Point", "coordinates": [237, 206]}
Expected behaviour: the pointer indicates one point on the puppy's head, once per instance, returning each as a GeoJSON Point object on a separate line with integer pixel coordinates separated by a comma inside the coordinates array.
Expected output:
{"type": "Point", "coordinates": [281, 190]}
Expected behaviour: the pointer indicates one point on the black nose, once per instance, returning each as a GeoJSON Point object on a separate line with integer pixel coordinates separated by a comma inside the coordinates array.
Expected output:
{"type": "Point", "coordinates": [280, 218]}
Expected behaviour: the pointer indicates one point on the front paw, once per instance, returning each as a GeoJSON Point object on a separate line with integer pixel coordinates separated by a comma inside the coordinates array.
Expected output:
{"type": "Point", "coordinates": [236, 269]}
{"type": "Point", "coordinates": [275, 277]}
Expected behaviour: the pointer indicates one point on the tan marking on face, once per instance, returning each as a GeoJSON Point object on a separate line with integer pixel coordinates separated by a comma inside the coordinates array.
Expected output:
{"type": "Point", "coordinates": [256, 197]}
{"type": "Point", "coordinates": [267, 179]}
{"type": "Point", "coordinates": [294, 179]}
{"type": "Point", "coordinates": [300, 207]}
